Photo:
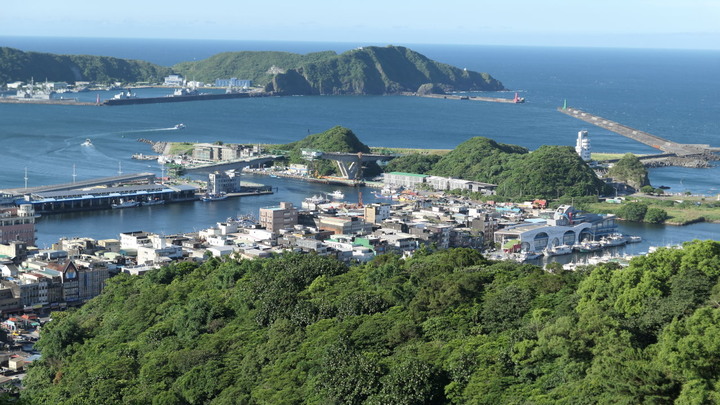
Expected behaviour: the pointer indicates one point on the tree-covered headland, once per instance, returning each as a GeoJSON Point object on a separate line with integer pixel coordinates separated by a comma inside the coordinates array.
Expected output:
{"type": "Point", "coordinates": [440, 327]}
{"type": "Point", "coordinates": [548, 172]}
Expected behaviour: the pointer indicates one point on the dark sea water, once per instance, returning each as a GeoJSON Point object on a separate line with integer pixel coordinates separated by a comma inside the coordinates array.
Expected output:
{"type": "Point", "coordinates": [670, 93]}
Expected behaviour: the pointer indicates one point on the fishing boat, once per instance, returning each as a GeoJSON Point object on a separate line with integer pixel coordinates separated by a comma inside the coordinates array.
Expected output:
{"type": "Point", "coordinates": [613, 240]}
{"type": "Point", "coordinates": [179, 126]}
{"type": "Point", "coordinates": [125, 204]}
{"type": "Point", "coordinates": [213, 197]}
{"type": "Point", "coordinates": [312, 203]}
{"type": "Point", "coordinates": [588, 246]}
{"type": "Point", "coordinates": [557, 250]}
{"type": "Point", "coordinates": [337, 195]}
{"type": "Point", "coordinates": [156, 201]}
{"type": "Point", "coordinates": [87, 142]}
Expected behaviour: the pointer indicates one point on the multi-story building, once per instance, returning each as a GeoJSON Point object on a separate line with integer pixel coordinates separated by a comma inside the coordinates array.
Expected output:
{"type": "Point", "coordinates": [407, 180]}
{"type": "Point", "coordinates": [17, 224]}
{"type": "Point", "coordinates": [376, 213]}
{"type": "Point", "coordinates": [173, 81]}
{"type": "Point", "coordinates": [276, 218]}
{"type": "Point", "coordinates": [220, 182]}
{"type": "Point", "coordinates": [582, 145]}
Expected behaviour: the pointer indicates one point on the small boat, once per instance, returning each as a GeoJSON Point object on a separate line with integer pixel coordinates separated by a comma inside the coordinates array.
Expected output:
{"type": "Point", "coordinates": [615, 239]}
{"type": "Point", "coordinates": [213, 197]}
{"type": "Point", "coordinates": [312, 203]}
{"type": "Point", "coordinates": [337, 195]}
{"type": "Point", "coordinates": [156, 201]}
{"type": "Point", "coordinates": [525, 256]}
{"type": "Point", "coordinates": [87, 142]}
{"type": "Point", "coordinates": [124, 95]}
{"type": "Point", "coordinates": [179, 126]}
{"type": "Point", "coordinates": [557, 250]}
{"type": "Point", "coordinates": [634, 239]}
{"type": "Point", "coordinates": [125, 204]}
{"type": "Point", "coordinates": [588, 246]}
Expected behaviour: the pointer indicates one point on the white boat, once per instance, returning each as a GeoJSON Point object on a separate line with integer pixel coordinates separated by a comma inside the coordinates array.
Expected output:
{"type": "Point", "coordinates": [124, 95]}
{"type": "Point", "coordinates": [213, 197]}
{"type": "Point", "coordinates": [179, 126]}
{"type": "Point", "coordinates": [125, 204]}
{"type": "Point", "coordinates": [525, 256]}
{"type": "Point", "coordinates": [87, 142]}
{"type": "Point", "coordinates": [156, 201]}
{"type": "Point", "coordinates": [311, 203]}
{"type": "Point", "coordinates": [337, 195]}
{"type": "Point", "coordinates": [634, 239]}
{"type": "Point", "coordinates": [588, 246]}
{"type": "Point", "coordinates": [615, 239]}
{"type": "Point", "coordinates": [557, 250]}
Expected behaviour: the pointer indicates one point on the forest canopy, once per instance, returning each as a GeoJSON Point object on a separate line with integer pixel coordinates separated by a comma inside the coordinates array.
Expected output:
{"type": "Point", "coordinates": [440, 327]}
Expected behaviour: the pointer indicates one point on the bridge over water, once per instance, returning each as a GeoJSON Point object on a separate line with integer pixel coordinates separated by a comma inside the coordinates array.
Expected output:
{"type": "Point", "coordinates": [665, 145]}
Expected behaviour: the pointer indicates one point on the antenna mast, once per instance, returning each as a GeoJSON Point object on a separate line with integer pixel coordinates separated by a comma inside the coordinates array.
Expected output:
{"type": "Point", "coordinates": [26, 178]}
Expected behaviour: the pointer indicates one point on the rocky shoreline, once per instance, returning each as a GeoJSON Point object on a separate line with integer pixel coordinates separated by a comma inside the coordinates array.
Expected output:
{"type": "Point", "coordinates": [695, 162]}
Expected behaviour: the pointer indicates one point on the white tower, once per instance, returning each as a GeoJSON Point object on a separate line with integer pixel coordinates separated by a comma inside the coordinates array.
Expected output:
{"type": "Point", "coordinates": [582, 147]}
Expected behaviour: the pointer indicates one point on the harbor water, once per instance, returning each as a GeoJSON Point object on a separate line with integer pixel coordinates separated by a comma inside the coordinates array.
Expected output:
{"type": "Point", "coordinates": [672, 94]}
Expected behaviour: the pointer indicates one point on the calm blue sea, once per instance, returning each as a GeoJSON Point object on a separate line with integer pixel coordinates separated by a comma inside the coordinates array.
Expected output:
{"type": "Point", "coordinates": [670, 93]}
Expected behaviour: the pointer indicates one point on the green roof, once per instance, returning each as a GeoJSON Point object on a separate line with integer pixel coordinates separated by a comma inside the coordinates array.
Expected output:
{"type": "Point", "coordinates": [408, 174]}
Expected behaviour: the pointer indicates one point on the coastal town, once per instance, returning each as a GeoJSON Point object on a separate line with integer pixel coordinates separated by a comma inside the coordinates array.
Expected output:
{"type": "Point", "coordinates": [416, 215]}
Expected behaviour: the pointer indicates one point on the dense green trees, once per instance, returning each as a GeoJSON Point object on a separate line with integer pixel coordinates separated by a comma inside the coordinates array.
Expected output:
{"type": "Point", "coordinates": [22, 66]}
{"type": "Point", "coordinates": [442, 327]}
{"type": "Point", "coordinates": [420, 163]}
{"type": "Point", "coordinates": [630, 170]}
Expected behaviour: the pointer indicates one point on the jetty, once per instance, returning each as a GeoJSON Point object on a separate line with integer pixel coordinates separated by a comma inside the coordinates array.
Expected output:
{"type": "Point", "coordinates": [515, 100]}
{"type": "Point", "coordinates": [670, 148]}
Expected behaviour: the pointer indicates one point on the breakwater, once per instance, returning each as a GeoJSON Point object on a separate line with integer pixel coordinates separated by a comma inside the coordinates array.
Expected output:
{"type": "Point", "coordinates": [178, 99]}
{"type": "Point", "coordinates": [475, 98]}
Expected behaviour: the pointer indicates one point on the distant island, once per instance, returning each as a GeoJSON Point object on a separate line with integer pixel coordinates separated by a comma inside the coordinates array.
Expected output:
{"type": "Point", "coordinates": [366, 70]}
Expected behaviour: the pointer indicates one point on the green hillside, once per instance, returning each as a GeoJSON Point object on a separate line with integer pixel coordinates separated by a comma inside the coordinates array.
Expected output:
{"type": "Point", "coordinates": [439, 328]}
{"type": "Point", "coordinates": [548, 172]}
{"type": "Point", "coordinates": [367, 70]}
{"type": "Point", "coordinates": [16, 65]}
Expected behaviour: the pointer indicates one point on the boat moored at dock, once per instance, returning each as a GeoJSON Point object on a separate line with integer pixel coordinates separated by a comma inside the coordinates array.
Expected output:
{"type": "Point", "coordinates": [125, 204]}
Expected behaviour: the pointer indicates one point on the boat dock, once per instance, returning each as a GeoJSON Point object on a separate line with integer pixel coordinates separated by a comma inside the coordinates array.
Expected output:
{"type": "Point", "coordinates": [665, 145]}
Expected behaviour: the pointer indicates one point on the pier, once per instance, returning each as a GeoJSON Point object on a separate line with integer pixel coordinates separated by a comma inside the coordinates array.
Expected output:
{"type": "Point", "coordinates": [102, 181]}
{"type": "Point", "coordinates": [669, 147]}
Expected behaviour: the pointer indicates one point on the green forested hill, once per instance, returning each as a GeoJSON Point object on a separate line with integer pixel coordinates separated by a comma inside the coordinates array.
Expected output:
{"type": "Point", "coordinates": [336, 139]}
{"type": "Point", "coordinates": [16, 65]}
{"type": "Point", "coordinates": [445, 327]}
{"type": "Point", "coordinates": [367, 70]}
{"type": "Point", "coordinates": [548, 172]}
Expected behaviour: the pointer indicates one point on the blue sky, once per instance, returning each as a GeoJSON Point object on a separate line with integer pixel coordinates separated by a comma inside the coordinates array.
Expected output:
{"type": "Point", "coordinates": [691, 24]}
